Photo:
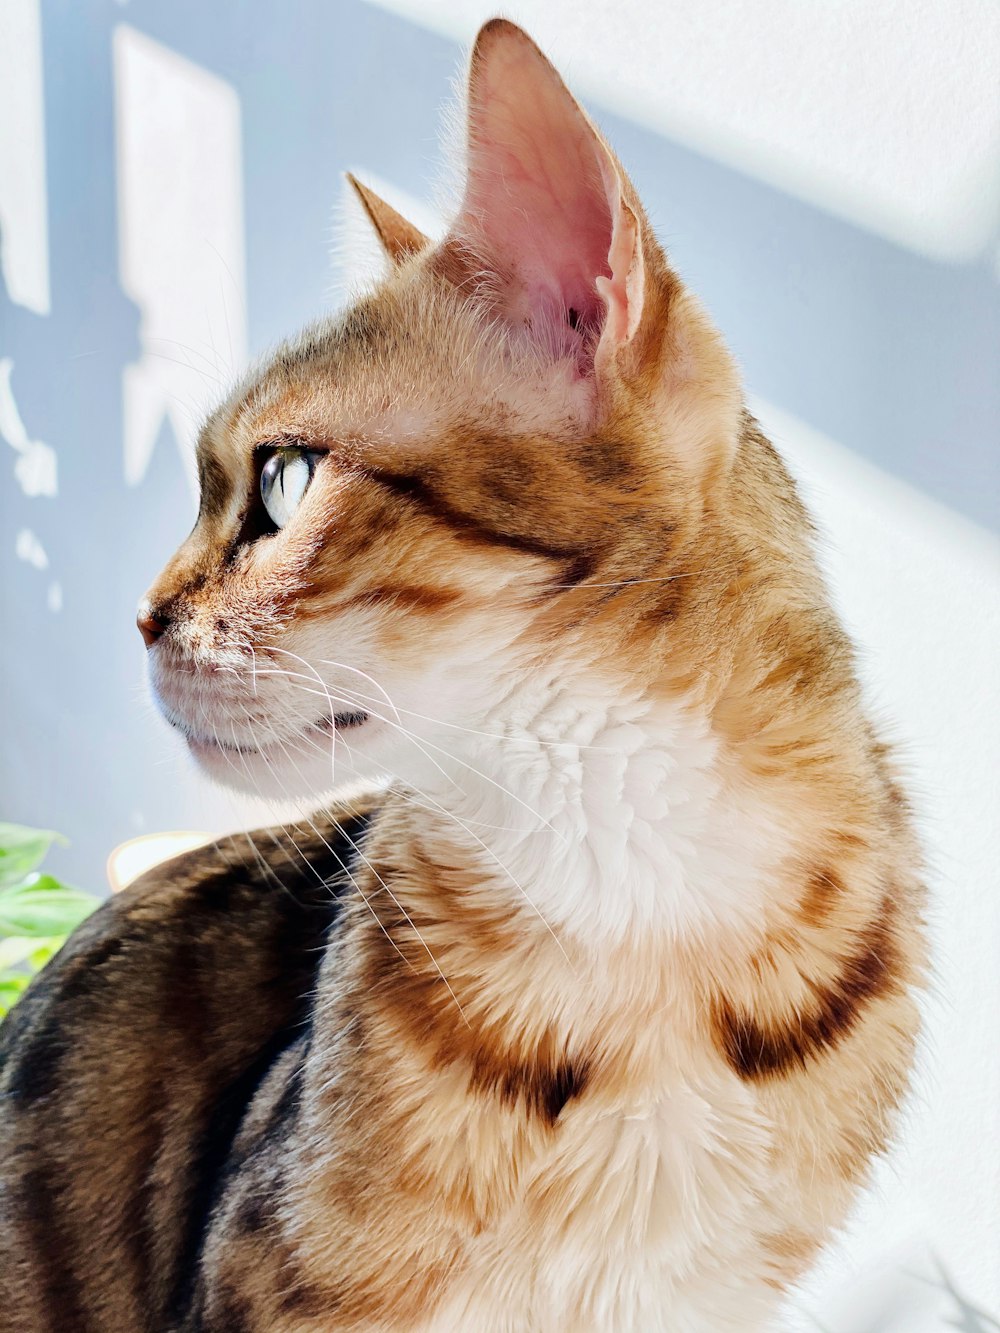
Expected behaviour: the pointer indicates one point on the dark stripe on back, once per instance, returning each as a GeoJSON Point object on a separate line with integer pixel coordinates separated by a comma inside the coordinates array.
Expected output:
{"type": "Point", "coordinates": [51, 1251]}
{"type": "Point", "coordinates": [212, 1163]}
{"type": "Point", "coordinates": [35, 1059]}
{"type": "Point", "coordinates": [136, 1225]}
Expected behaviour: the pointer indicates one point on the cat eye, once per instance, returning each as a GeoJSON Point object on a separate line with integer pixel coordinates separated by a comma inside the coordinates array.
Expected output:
{"type": "Point", "coordinates": [284, 480]}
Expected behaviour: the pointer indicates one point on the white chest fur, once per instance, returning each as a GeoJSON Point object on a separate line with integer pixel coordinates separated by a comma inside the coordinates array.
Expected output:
{"type": "Point", "coordinates": [610, 823]}
{"type": "Point", "coordinates": [609, 818]}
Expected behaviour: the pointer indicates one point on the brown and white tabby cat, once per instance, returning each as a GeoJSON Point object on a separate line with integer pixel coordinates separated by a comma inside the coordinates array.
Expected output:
{"type": "Point", "coordinates": [594, 1015]}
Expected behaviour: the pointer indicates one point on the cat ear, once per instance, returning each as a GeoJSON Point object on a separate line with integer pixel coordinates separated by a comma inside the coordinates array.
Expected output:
{"type": "Point", "coordinates": [547, 209]}
{"type": "Point", "coordinates": [399, 238]}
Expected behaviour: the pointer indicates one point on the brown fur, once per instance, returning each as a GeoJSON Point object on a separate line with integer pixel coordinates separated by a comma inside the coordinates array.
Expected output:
{"type": "Point", "coordinates": [424, 1106]}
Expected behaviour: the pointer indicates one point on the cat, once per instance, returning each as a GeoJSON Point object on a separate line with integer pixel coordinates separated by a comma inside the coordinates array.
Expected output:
{"type": "Point", "coordinates": [590, 1005]}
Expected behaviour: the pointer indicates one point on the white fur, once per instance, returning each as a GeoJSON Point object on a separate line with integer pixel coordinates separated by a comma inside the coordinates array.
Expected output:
{"type": "Point", "coordinates": [609, 811]}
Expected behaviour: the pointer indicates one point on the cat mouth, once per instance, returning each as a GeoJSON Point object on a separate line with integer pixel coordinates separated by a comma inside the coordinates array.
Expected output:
{"type": "Point", "coordinates": [339, 722]}
{"type": "Point", "coordinates": [324, 726]}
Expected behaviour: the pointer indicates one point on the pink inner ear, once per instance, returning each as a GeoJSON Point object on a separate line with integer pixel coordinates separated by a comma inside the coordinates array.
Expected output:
{"type": "Point", "coordinates": [536, 204]}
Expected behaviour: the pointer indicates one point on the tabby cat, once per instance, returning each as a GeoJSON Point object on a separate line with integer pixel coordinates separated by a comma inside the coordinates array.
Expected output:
{"type": "Point", "coordinates": [591, 1010]}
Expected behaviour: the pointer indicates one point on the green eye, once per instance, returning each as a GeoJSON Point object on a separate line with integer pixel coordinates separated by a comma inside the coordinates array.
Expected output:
{"type": "Point", "coordinates": [284, 481]}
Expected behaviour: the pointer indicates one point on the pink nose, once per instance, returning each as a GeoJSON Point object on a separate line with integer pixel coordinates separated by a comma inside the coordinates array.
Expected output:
{"type": "Point", "coordinates": [149, 627]}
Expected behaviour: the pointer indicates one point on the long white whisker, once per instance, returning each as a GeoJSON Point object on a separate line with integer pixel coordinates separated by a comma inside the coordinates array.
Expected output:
{"type": "Point", "coordinates": [443, 810]}
{"type": "Point", "coordinates": [347, 870]}
{"type": "Point", "coordinates": [343, 667]}
{"type": "Point", "coordinates": [296, 678]}
{"type": "Point", "coordinates": [665, 578]}
{"type": "Point", "coordinates": [352, 703]}
{"type": "Point", "coordinates": [450, 814]}
{"type": "Point", "coordinates": [422, 743]}
{"type": "Point", "coordinates": [267, 870]}
{"type": "Point", "coordinates": [454, 758]}
{"type": "Point", "coordinates": [410, 797]}
{"type": "Point", "coordinates": [490, 735]}
{"type": "Point", "coordinates": [440, 721]}
{"type": "Point", "coordinates": [375, 872]}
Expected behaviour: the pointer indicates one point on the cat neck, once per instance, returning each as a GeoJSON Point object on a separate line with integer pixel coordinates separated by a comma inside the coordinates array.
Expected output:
{"type": "Point", "coordinates": [604, 814]}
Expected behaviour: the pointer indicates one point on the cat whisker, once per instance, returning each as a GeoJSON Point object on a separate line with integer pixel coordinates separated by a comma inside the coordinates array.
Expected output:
{"type": "Point", "coordinates": [496, 735]}
{"type": "Point", "coordinates": [268, 871]}
{"type": "Point", "coordinates": [346, 869]}
{"type": "Point", "coordinates": [187, 347]}
{"type": "Point", "coordinates": [341, 666]}
{"type": "Point", "coordinates": [162, 356]}
{"type": "Point", "coordinates": [440, 749]}
{"type": "Point", "coordinates": [359, 700]}
{"type": "Point", "coordinates": [295, 677]}
{"type": "Point", "coordinates": [665, 578]}
{"type": "Point", "coordinates": [443, 810]}
{"type": "Point", "coordinates": [372, 868]}
{"type": "Point", "coordinates": [407, 795]}
{"type": "Point", "coordinates": [450, 814]}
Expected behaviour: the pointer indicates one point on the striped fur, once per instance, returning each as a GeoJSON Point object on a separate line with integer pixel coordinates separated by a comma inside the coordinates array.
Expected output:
{"type": "Point", "coordinates": [595, 1013]}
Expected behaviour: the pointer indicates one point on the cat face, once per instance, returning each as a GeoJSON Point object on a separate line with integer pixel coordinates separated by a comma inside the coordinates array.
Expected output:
{"type": "Point", "coordinates": [451, 490]}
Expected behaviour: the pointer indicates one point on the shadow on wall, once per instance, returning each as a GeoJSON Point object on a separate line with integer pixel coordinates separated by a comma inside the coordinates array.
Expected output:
{"type": "Point", "coordinates": [896, 1301]}
{"type": "Point", "coordinates": [968, 1318]}
{"type": "Point", "coordinates": [891, 354]}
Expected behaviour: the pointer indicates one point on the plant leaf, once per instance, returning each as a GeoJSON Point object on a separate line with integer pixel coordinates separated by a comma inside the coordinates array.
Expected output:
{"type": "Point", "coordinates": [21, 850]}
{"type": "Point", "coordinates": [41, 910]}
{"type": "Point", "coordinates": [15, 950]}
{"type": "Point", "coordinates": [11, 989]}
{"type": "Point", "coordinates": [41, 883]}
{"type": "Point", "coordinates": [45, 950]}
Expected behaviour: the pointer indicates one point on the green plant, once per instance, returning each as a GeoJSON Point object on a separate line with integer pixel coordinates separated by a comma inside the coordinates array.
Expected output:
{"type": "Point", "coordinates": [37, 911]}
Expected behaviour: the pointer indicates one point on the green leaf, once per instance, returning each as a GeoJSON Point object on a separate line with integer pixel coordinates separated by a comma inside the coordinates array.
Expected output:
{"type": "Point", "coordinates": [46, 950]}
{"type": "Point", "coordinates": [21, 955]}
{"type": "Point", "coordinates": [11, 989]}
{"type": "Point", "coordinates": [15, 950]}
{"type": "Point", "coordinates": [42, 883]}
{"type": "Point", "coordinates": [21, 850]}
{"type": "Point", "coordinates": [42, 909]}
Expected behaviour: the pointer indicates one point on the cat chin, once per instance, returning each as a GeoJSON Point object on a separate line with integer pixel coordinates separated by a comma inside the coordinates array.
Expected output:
{"type": "Point", "coordinates": [307, 773]}
{"type": "Point", "coordinates": [271, 774]}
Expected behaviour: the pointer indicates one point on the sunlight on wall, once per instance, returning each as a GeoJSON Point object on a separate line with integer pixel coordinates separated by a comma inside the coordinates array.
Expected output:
{"type": "Point", "coordinates": [181, 236]}
{"type": "Point", "coordinates": [887, 114]}
{"type": "Point", "coordinates": [23, 206]}
{"type": "Point", "coordinates": [36, 469]}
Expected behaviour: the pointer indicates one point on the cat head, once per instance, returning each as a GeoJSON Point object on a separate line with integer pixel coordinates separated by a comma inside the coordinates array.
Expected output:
{"type": "Point", "coordinates": [484, 474]}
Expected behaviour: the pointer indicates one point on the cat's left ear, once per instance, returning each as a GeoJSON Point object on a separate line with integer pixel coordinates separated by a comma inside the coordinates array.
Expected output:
{"type": "Point", "coordinates": [549, 211]}
{"type": "Point", "coordinates": [399, 238]}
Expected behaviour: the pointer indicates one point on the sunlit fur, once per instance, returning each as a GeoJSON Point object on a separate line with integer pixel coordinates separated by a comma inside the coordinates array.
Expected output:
{"type": "Point", "coordinates": [620, 1007]}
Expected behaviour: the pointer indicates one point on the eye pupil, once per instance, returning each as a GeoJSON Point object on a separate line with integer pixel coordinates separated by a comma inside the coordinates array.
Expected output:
{"type": "Point", "coordinates": [284, 480]}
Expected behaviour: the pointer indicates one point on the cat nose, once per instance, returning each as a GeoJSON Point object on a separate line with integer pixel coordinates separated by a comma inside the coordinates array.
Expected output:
{"type": "Point", "coordinates": [150, 626]}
